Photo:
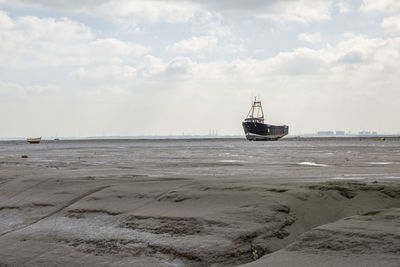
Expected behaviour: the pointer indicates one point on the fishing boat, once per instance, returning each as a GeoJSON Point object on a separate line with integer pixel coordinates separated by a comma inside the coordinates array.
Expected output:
{"type": "Point", "coordinates": [256, 130]}
{"type": "Point", "coordinates": [34, 140]}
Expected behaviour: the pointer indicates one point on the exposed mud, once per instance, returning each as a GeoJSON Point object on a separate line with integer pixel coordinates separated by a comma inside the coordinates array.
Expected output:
{"type": "Point", "coordinates": [277, 190]}
{"type": "Point", "coordinates": [9, 208]}
{"type": "Point", "coordinates": [170, 225]}
{"type": "Point", "coordinates": [342, 190]}
{"type": "Point", "coordinates": [349, 189]}
{"type": "Point", "coordinates": [80, 213]}
{"type": "Point", "coordinates": [352, 240]}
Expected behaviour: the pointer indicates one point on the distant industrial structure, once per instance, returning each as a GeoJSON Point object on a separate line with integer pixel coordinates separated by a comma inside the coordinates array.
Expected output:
{"type": "Point", "coordinates": [325, 133]}
{"type": "Point", "coordinates": [343, 133]}
{"type": "Point", "coordinates": [331, 133]}
{"type": "Point", "coordinates": [213, 132]}
{"type": "Point", "coordinates": [367, 133]}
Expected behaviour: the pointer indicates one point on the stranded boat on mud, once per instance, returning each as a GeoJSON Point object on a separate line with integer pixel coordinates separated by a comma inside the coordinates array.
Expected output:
{"type": "Point", "coordinates": [34, 140]}
{"type": "Point", "coordinates": [256, 130]}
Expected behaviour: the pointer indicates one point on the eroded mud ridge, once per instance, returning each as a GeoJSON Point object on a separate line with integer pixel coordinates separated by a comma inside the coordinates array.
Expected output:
{"type": "Point", "coordinates": [349, 236]}
{"type": "Point", "coordinates": [349, 189]}
{"type": "Point", "coordinates": [170, 225]}
{"type": "Point", "coordinates": [241, 224]}
{"type": "Point", "coordinates": [134, 248]}
{"type": "Point", "coordinates": [186, 240]}
{"type": "Point", "coordinates": [107, 246]}
{"type": "Point", "coordinates": [80, 213]}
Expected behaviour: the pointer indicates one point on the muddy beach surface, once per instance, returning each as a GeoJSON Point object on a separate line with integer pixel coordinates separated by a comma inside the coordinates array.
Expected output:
{"type": "Point", "coordinates": [200, 203]}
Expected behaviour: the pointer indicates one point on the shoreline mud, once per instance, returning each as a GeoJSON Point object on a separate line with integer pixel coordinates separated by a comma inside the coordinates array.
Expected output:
{"type": "Point", "coordinates": [187, 222]}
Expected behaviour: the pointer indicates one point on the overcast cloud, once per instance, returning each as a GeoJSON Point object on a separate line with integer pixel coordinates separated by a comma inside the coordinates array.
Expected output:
{"type": "Point", "coordinates": [90, 68]}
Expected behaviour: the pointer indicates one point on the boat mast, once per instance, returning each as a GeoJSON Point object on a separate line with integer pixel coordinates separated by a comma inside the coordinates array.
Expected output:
{"type": "Point", "coordinates": [256, 111]}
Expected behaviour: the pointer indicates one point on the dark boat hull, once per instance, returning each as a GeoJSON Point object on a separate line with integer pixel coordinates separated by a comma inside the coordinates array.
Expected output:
{"type": "Point", "coordinates": [256, 131]}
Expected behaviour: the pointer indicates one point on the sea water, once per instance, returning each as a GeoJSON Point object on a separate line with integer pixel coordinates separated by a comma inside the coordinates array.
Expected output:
{"type": "Point", "coordinates": [313, 159]}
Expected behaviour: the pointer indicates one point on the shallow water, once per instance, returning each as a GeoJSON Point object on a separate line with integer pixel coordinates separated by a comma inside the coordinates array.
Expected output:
{"type": "Point", "coordinates": [326, 159]}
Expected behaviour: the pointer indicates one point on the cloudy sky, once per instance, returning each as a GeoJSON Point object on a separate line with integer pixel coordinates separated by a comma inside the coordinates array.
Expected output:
{"type": "Point", "coordinates": [163, 67]}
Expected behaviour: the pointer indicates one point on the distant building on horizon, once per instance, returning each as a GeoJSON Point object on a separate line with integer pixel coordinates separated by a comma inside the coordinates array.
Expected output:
{"type": "Point", "coordinates": [367, 133]}
{"type": "Point", "coordinates": [325, 133]}
{"type": "Point", "coordinates": [343, 133]}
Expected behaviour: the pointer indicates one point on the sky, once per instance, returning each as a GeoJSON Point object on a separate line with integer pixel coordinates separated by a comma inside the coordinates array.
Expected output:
{"type": "Point", "coordinates": [79, 68]}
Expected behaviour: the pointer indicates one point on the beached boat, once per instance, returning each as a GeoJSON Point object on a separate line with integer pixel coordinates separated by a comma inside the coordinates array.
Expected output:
{"type": "Point", "coordinates": [34, 140]}
{"type": "Point", "coordinates": [256, 130]}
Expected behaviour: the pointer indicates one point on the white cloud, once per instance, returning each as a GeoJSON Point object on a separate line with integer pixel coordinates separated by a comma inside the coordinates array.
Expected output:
{"type": "Point", "coordinates": [311, 38]}
{"type": "Point", "coordinates": [234, 48]}
{"type": "Point", "coordinates": [145, 11]}
{"type": "Point", "coordinates": [31, 42]}
{"type": "Point", "coordinates": [42, 89]}
{"type": "Point", "coordinates": [302, 61]}
{"type": "Point", "coordinates": [70, 75]}
{"type": "Point", "coordinates": [151, 66]}
{"type": "Point", "coordinates": [11, 90]}
{"type": "Point", "coordinates": [282, 10]}
{"type": "Point", "coordinates": [174, 11]}
{"type": "Point", "coordinates": [387, 6]}
{"type": "Point", "coordinates": [17, 91]}
{"type": "Point", "coordinates": [5, 21]}
{"type": "Point", "coordinates": [211, 23]}
{"type": "Point", "coordinates": [194, 45]}
{"type": "Point", "coordinates": [333, 87]}
{"type": "Point", "coordinates": [114, 48]}
{"type": "Point", "coordinates": [343, 7]}
{"type": "Point", "coordinates": [391, 25]}
{"type": "Point", "coordinates": [180, 66]}
{"type": "Point", "coordinates": [214, 34]}
{"type": "Point", "coordinates": [304, 11]}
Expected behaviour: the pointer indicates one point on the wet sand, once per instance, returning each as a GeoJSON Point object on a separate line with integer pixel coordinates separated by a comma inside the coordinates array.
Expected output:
{"type": "Point", "coordinates": [74, 204]}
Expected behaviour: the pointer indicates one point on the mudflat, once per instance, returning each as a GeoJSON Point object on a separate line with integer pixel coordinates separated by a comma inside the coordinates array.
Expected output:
{"type": "Point", "coordinates": [200, 203]}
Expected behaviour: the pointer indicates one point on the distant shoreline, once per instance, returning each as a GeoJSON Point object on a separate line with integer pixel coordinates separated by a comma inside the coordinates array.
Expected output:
{"type": "Point", "coordinates": [343, 138]}
{"type": "Point", "coordinates": [214, 138]}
